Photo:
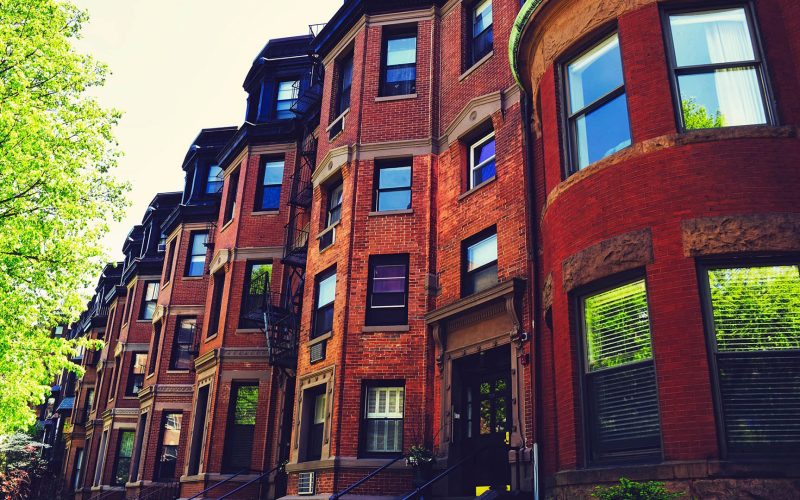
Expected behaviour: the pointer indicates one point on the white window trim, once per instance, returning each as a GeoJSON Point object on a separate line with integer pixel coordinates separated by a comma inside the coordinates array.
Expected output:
{"type": "Point", "coordinates": [472, 166]}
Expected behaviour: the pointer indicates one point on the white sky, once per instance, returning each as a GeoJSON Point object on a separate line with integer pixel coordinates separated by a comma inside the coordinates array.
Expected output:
{"type": "Point", "coordinates": [178, 66]}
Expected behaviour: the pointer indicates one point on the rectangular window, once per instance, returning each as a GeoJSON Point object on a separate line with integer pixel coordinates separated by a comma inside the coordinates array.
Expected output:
{"type": "Point", "coordinates": [168, 261]}
{"type": "Point", "coordinates": [76, 478]}
{"type": "Point", "coordinates": [241, 424]}
{"type": "Point", "coordinates": [287, 96]}
{"type": "Point", "coordinates": [399, 76]}
{"type": "Point", "coordinates": [619, 367]}
{"type": "Point", "coordinates": [314, 411]}
{"type": "Point", "coordinates": [198, 430]}
{"type": "Point", "coordinates": [481, 160]}
{"type": "Point", "coordinates": [717, 69]}
{"type": "Point", "coordinates": [230, 199]}
{"type": "Point", "coordinates": [168, 451]}
{"type": "Point", "coordinates": [482, 39]}
{"type": "Point", "coordinates": [112, 391]}
{"type": "Point", "coordinates": [196, 260]}
{"type": "Point", "coordinates": [387, 290]}
{"type": "Point", "coordinates": [256, 294]}
{"type": "Point", "coordinates": [136, 377]}
{"type": "Point", "coordinates": [754, 323]}
{"type": "Point", "coordinates": [151, 365]}
{"type": "Point", "coordinates": [214, 181]}
{"type": "Point", "coordinates": [479, 261]}
{"type": "Point", "coordinates": [393, 185]}
{"type": "Point", "coordinates": [325, 293]}
{"type": "Point", "coordinates": [383, 419]}
{"type": "Point", "coordinates": [269, 191]}
{"type": "Point", "coordinates": [101, 458]}
{"type": "Point", "coordinates": [216, 304]}
{"type": "Point", "coordinates": [333, 216]}
{"type": "Point", "coordinates": [344, 84]}
{"type": "Point", "coordinates": [183, 344]}
{"type": "Point", "coordinates": [150, 300]}
{"type": "Point", "coordinates": [122, 462]}
{"type": "Point", "coordinates": [597, 106]}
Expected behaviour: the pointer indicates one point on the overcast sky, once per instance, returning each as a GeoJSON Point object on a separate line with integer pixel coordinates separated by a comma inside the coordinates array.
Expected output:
{"type": "Point", "coordinates": [178, 66]}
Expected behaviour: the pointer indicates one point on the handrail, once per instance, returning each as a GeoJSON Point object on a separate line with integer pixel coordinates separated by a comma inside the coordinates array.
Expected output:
{"type": "Point", "coordinates": [217, 484]}
{"type": "Point", "coordinates": [364, 479]}
{"type": "Point", "coordinates": [420, 489]}
{"type": "Point", "coordinates": [248, 483]}
{"type": "Point", "coordinates": [159, 490]}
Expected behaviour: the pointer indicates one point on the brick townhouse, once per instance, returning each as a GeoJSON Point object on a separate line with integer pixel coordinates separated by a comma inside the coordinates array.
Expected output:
{"type": "Point", "coordinates": [553, 242]}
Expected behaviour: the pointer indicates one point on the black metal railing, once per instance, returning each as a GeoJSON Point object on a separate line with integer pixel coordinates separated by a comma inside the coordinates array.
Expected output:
{"type": "Point", "coordinates": [159, 491]}
{"type": "Point", "coordinates": [198, 495]}
{"type": "Point", "coordinates": [364, 479]}
{"type": "Point", "coordinates": [262, 478]}
{"type": "Point", "coordinates": [422, 490]}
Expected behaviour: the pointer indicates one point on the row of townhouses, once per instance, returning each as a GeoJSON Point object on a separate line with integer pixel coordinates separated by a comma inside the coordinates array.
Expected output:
{"type": "Point", "coordinates": [553, 242]}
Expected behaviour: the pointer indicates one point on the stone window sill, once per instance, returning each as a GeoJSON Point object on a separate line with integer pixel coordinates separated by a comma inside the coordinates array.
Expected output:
{"type": "Point", "coordinates": [246, 331]}
{"type": "Point", "coordinates": [321, 338]}
{"type": "Point", "coordinates": [395, 97]}
{"type": "Point", "coordinates": [265, 212]}
{"type": "Point", "coordinates": [391, 212]}
{"type": "Point", "coordinates": [385, 328]}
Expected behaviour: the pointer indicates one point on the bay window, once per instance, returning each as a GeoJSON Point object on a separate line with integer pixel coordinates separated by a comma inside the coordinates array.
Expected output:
{"type": "Point", "coordinates": [597, 106]}
{"type": "Point", "coordinates": [196, 260]}
{"type": "Point", "coordinates": [621, 411]}
{"type": "Point", "coordinates": [168, 448]}
{"type": "Point", "coordinates": [150, 300]}
{"type": "Point", "coordinates": [183, 344]}
{"type": "Point", "coordinates": [399, 74]}
{"type": "Point", "coordinates": [753, 319]}
{"type": "Point", "coordinates": [718, 75]}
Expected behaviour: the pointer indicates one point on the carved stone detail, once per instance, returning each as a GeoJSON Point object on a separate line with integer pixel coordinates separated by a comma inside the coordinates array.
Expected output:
{"type": "Point", "coordinates": [741, 233]}
{"type": "Point", "coordinates": [547, 292]}
{"type": "Point", "coordinates": [620, 253]}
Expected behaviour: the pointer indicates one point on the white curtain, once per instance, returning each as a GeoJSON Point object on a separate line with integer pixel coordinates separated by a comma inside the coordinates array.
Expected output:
{"type": "Point", "coordinates": [738, 90]}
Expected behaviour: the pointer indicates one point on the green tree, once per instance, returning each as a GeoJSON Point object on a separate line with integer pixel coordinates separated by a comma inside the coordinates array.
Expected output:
{"type": "Point", "coordinates": [696, 116]}
{"type": "Point", "coordinates": [57, 193]}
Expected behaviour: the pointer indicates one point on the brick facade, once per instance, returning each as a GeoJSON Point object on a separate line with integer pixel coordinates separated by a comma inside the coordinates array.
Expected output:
{"type": "Point", "coordinates": [491, 373]}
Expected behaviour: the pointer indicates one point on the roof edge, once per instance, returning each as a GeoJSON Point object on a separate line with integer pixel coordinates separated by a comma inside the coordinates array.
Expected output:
{"type": "Point", "coordinates": [517, 33]}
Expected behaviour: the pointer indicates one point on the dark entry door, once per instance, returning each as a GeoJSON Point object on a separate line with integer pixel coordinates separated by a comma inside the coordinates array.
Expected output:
{"type": "Point", "coordinates": [485, 419]}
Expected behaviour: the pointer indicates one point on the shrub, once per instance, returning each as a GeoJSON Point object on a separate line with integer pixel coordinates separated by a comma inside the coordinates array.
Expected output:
{"type": "Point", "coordinates": [632, 490]}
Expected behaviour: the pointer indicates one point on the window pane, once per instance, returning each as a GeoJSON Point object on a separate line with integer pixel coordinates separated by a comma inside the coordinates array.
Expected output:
{"type": "Point", "coordinates": [594, 74]}
{"type": "Point", "coordinates": [483, 152]}
{"type": "Point", "coordinates": [199, 243]}
{"type": "Point", "coordinates": [214, 182]}
{"type": "Point", "coordinates": [287, 90]}
{"type": "Point", "coordinates": [482, 253]}
{"type": "Point", "coordinates": [394, 177]}
{"type": "Point", "coordinates": [139, 363]}
{"type": "Point", "coordinates": [711, 37]}
{"type": "Point", "coordinates": [617, 326]}
{"type": "Point", "coordinates": [246, 405]}
{"type": "Point", "coordinates": [756, 308]}
{"type": "Point", "coordinates": [273, 172]}
{"type": "Point", "coordinates": [271, 197]}
{"type": "Point", "coordinates": [394, 200]}
{"type": "Point", "coordinates": [259, 278]}
{"type": "Point", "coordinates": [152, 291]}
{"type": "Point", "coordinates": [482, 17]}
{"type": "Point", "coordinates": [319, 409]}
{"type": "Point", "coordinates": [400, 74]}
{"type": "Point", "coordinates": [172, 429]}
{"type": "Point", "coordinates": [327, 291]}
{"type": "Point", "coordinates": [602, 132]}
{"type": "Point", "coordinates": [483, 279]}
{"type": "Point", "coordinates": [401, 51]}
{"type": "Point", "coordinates": [721, 98]}
{"type": "Point", "coordinates": [483, 173]}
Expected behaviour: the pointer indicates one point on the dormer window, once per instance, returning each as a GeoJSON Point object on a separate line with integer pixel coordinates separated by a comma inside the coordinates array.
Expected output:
{"type": "Point", "coordinates": [287, 96]}
{"type": "Point", "coordinates": [214, 181]}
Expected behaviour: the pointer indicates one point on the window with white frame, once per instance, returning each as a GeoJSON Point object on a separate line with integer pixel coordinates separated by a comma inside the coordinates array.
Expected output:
{"type": "Point", "coordinates": [482, 160]}
{"type": "Point", "coordinates": [383, 419]}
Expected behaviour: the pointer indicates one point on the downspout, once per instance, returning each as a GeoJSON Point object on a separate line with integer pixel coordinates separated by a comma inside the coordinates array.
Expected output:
{"type": "Point", "coordinates": [517, 32]}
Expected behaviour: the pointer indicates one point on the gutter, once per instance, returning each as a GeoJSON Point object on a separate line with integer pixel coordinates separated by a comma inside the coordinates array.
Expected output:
{"type": "Point", "coordinates": [517, 31]}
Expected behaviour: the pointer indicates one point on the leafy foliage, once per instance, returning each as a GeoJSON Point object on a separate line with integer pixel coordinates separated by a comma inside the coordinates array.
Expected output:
{"type": "Point", "coordinates": [618, 326]}
{"type": "Point", "coordinates": [20, 465]}
{"type": "Point", "coordinates": [632, 490]}
{"type": "Point", "coordinates": [756, 308]}
{"type": "Point", "coordinates": [696, 116]}
{"type": "Point", "coordinates": [57, 193]}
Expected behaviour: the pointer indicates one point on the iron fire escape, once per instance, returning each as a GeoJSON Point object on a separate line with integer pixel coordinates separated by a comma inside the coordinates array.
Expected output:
{"type": "Point", "coordinates": [282, 321]}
